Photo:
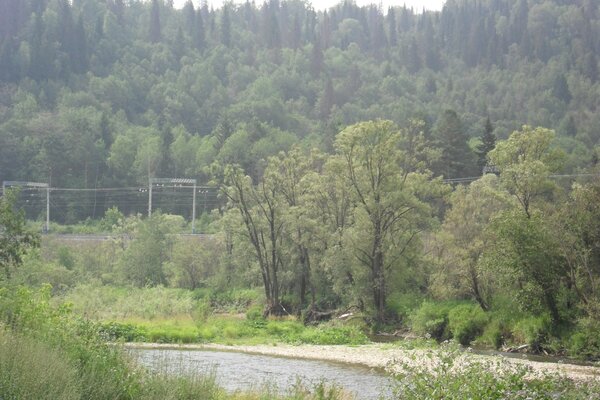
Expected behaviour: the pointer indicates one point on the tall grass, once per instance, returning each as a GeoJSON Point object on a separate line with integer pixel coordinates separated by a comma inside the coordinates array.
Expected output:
{"type": "Point", "coordinates": [117, 303]}
{"type": "Point", "coordinates": [33, 370]}
{"type": "Point", "coordinates": [49, 353]}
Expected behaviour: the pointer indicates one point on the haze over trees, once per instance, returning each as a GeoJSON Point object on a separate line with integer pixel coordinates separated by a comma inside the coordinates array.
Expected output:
{"type": "Point", "coordinates": [348, 144]}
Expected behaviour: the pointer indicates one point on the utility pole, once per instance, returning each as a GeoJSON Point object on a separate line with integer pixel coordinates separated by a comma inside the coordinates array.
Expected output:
{"type": "Point", "coordinates": [194, 209]}
{"type": "Point", "coordinates": [177, 181]}
{"type": "Point", "coordinates": [47, 228]}
{"type": "Point", "coordinates": [6, 184]}
{"type": "Point", "coordinates": [150, 198]}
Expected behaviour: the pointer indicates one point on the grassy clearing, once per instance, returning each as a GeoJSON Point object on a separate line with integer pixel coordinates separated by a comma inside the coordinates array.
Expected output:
{"type": "Point", "coordinates": [231, 329]}
{"type": "Point", "coordinates": [165, 315]}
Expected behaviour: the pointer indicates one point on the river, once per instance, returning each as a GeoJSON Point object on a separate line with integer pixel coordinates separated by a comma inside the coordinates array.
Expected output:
{"type": "Point", "coordinates": [239, 371]}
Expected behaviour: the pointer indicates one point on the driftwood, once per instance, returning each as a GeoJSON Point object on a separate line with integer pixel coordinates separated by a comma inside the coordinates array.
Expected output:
{"type": "Point", "coordinates": [317, 316]}
{"type": "Point", "coordinates": [517, 349]}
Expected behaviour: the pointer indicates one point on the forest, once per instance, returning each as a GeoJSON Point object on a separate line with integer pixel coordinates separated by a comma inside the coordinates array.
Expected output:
{"type": "Point", "coordinates": [361, 171]}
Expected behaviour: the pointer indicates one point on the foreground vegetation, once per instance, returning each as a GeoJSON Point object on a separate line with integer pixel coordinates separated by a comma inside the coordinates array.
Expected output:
{"type": "Point", "coordinates": [49, 353]}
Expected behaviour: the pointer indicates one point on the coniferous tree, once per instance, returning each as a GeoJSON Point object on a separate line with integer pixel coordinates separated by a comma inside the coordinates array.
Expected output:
{"type": "Point", "coordinates": [80, 55]}
{"type": "Point", "coordinates": [488, 142]}
{"type": "Point", "coordinates": [199, 38]}
{"type": "Point", "coordinates": [155, 28]}
{"type": "Point", "coordinates": [189, 14]}
{"type": "Point", "coordinates": [225, 32]}
{"type": "Point", "coordinates": [317, 58]}
{"type": "Point", "coordinates": [456, 160]}
{"type": "Point", "coordinates": [392, 29]}
{"type": "Point", "coordinates": [119, 11]}
{"type": "Point", "coordinates": [561, 89]}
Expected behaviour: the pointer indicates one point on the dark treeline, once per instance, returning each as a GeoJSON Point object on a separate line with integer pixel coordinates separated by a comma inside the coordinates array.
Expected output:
{"type": "Point", "coordinates": [101, 93]}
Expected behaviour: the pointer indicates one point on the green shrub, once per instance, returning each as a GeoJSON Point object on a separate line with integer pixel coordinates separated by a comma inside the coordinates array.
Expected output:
{"type": "Point", "coordinates": [402, 303]}
{"type": "Point", "coordinates": [493, 334]}
{"type": "Point", "coordinates": [466, 322]}
{"type": "Point", "coordinates": [287, 330]}
{"type": "Point", "coordinates": [113, 331]}
{"type": "Point", "coordinates": [585, 342]}
{"type": "Point", "coordinates": [431, 320]}
{"type": "Point", "coordinates": [448, 375]}
{"type": "Point", "coordinates": [102, 371]}
{"type": "Point", "coordinates": [533, 330]}
{"type": "Point", "coordinates": [202, 311]}
{"type": "Point", "coordinates": [238, 300]}
{"type": "Point", "coordinates": [255, 313]}
{"type": "Point", "coordinates": [327, 335]}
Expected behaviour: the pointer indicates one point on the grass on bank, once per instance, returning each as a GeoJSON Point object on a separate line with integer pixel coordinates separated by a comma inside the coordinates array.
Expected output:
{"type": "Point", "coordinates": [231, 330]}
{"type": "Point", "coordinates": [168, 315]}
{"type": "Point", "coordinates": [164, 315]}
{"type": "Point", "coordinates": [49, 353]}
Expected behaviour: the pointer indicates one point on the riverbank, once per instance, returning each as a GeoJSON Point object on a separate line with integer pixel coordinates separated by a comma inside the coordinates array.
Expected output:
{"type": "Point", "coordinates": [392, 359]}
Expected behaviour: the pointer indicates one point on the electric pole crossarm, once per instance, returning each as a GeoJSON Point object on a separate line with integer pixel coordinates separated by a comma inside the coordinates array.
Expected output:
{"type": "Point", "coordinates": [183, 182]}
{"type": "Point", "coordinates": [39, 185]}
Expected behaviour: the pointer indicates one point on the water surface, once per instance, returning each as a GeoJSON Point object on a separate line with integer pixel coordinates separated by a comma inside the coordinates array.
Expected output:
{"type": "Point", "coordinates": [240, 371]}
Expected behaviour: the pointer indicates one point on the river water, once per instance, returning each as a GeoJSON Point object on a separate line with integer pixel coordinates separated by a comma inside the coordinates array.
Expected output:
{"type": "Point", "coordinates": [240, 371]}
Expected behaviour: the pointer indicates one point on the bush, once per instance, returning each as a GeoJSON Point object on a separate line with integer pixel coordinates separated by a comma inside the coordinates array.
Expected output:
{"type": "Point", "coordinates": [238, 300]}
{"type": "Point", "coordinates": [333, 335]}
{"type": "Point", "coordinates": [255, 313]}
{"type": "Point", "coordinates": [533, 331]}
{"type": "Point", "coordinates": [113, 331]}
{"type": "Point", "coordinates": [449, 375]}
{"type": "Point", "coordinates": [431, 320]}
{"type": "Point", "coordinates": [493, 334]}
{"type": "Point", "coordinates": [202, 311]}
{"type": "Point", "coordinates": [466, 322]}
{"type": "Point", "coordinates": [585, 342]}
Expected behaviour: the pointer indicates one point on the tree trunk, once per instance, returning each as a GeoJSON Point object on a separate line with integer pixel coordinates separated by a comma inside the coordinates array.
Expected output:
{"type": "Point", "coordinates": [476, 291]}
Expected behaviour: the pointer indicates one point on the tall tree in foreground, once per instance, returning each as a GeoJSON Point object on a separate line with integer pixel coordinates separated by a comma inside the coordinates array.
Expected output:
{"type": "Point", "coordinates": [259, 208]}
{"type": "Point", "coordinates": [15, 239]}
{"type": "Point", "coordinates": [389, 213]}
{"type": "Point", "coordinates": [526, 161]}
{"type": "Point", "coordinates": [464, 238]}
{"type": "Point", "coordinates": [526, 247]}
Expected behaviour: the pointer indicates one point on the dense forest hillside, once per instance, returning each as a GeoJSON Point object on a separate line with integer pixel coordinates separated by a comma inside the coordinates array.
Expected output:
{"type": "Point", "coordinates": [105, 93]}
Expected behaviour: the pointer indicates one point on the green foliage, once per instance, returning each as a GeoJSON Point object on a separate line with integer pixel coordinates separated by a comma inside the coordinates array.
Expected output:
{"type": "Point", "coordinates": [534, 331]}
{"type": "Point", "coordinates": [15, 239]}
{"type": "Point", "coordinates": [466, 322]}
{"type": "Point", "coordinates": [112, 331]}
{"type": "Point", "coordinates": [431, 320]}
{"type": "Point", "coordinates": [112, 219]}
{"type": "Point", "coordinates": [102, 372]}
{"type": "Point", "coordinates": [33, 370]}
{"type": "Point", "coordinates": [585, 341]}
{"type": "Point", "coordinates": [143, 262]}
{"type": "Point", "coordinates": [112, 303]}
{"type": "Point", "coordinates": [448, 375]}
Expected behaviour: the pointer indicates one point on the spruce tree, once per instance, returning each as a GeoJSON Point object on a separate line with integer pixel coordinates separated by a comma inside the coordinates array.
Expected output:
{"type": "Point", "coordinates": [488, 142]}
{"type": "Point", "coordinates": [225, 33]}
{"type": "Point", "coordinates": [155, 22]}
{"type": "Point", "coordinates": [457, 159]}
